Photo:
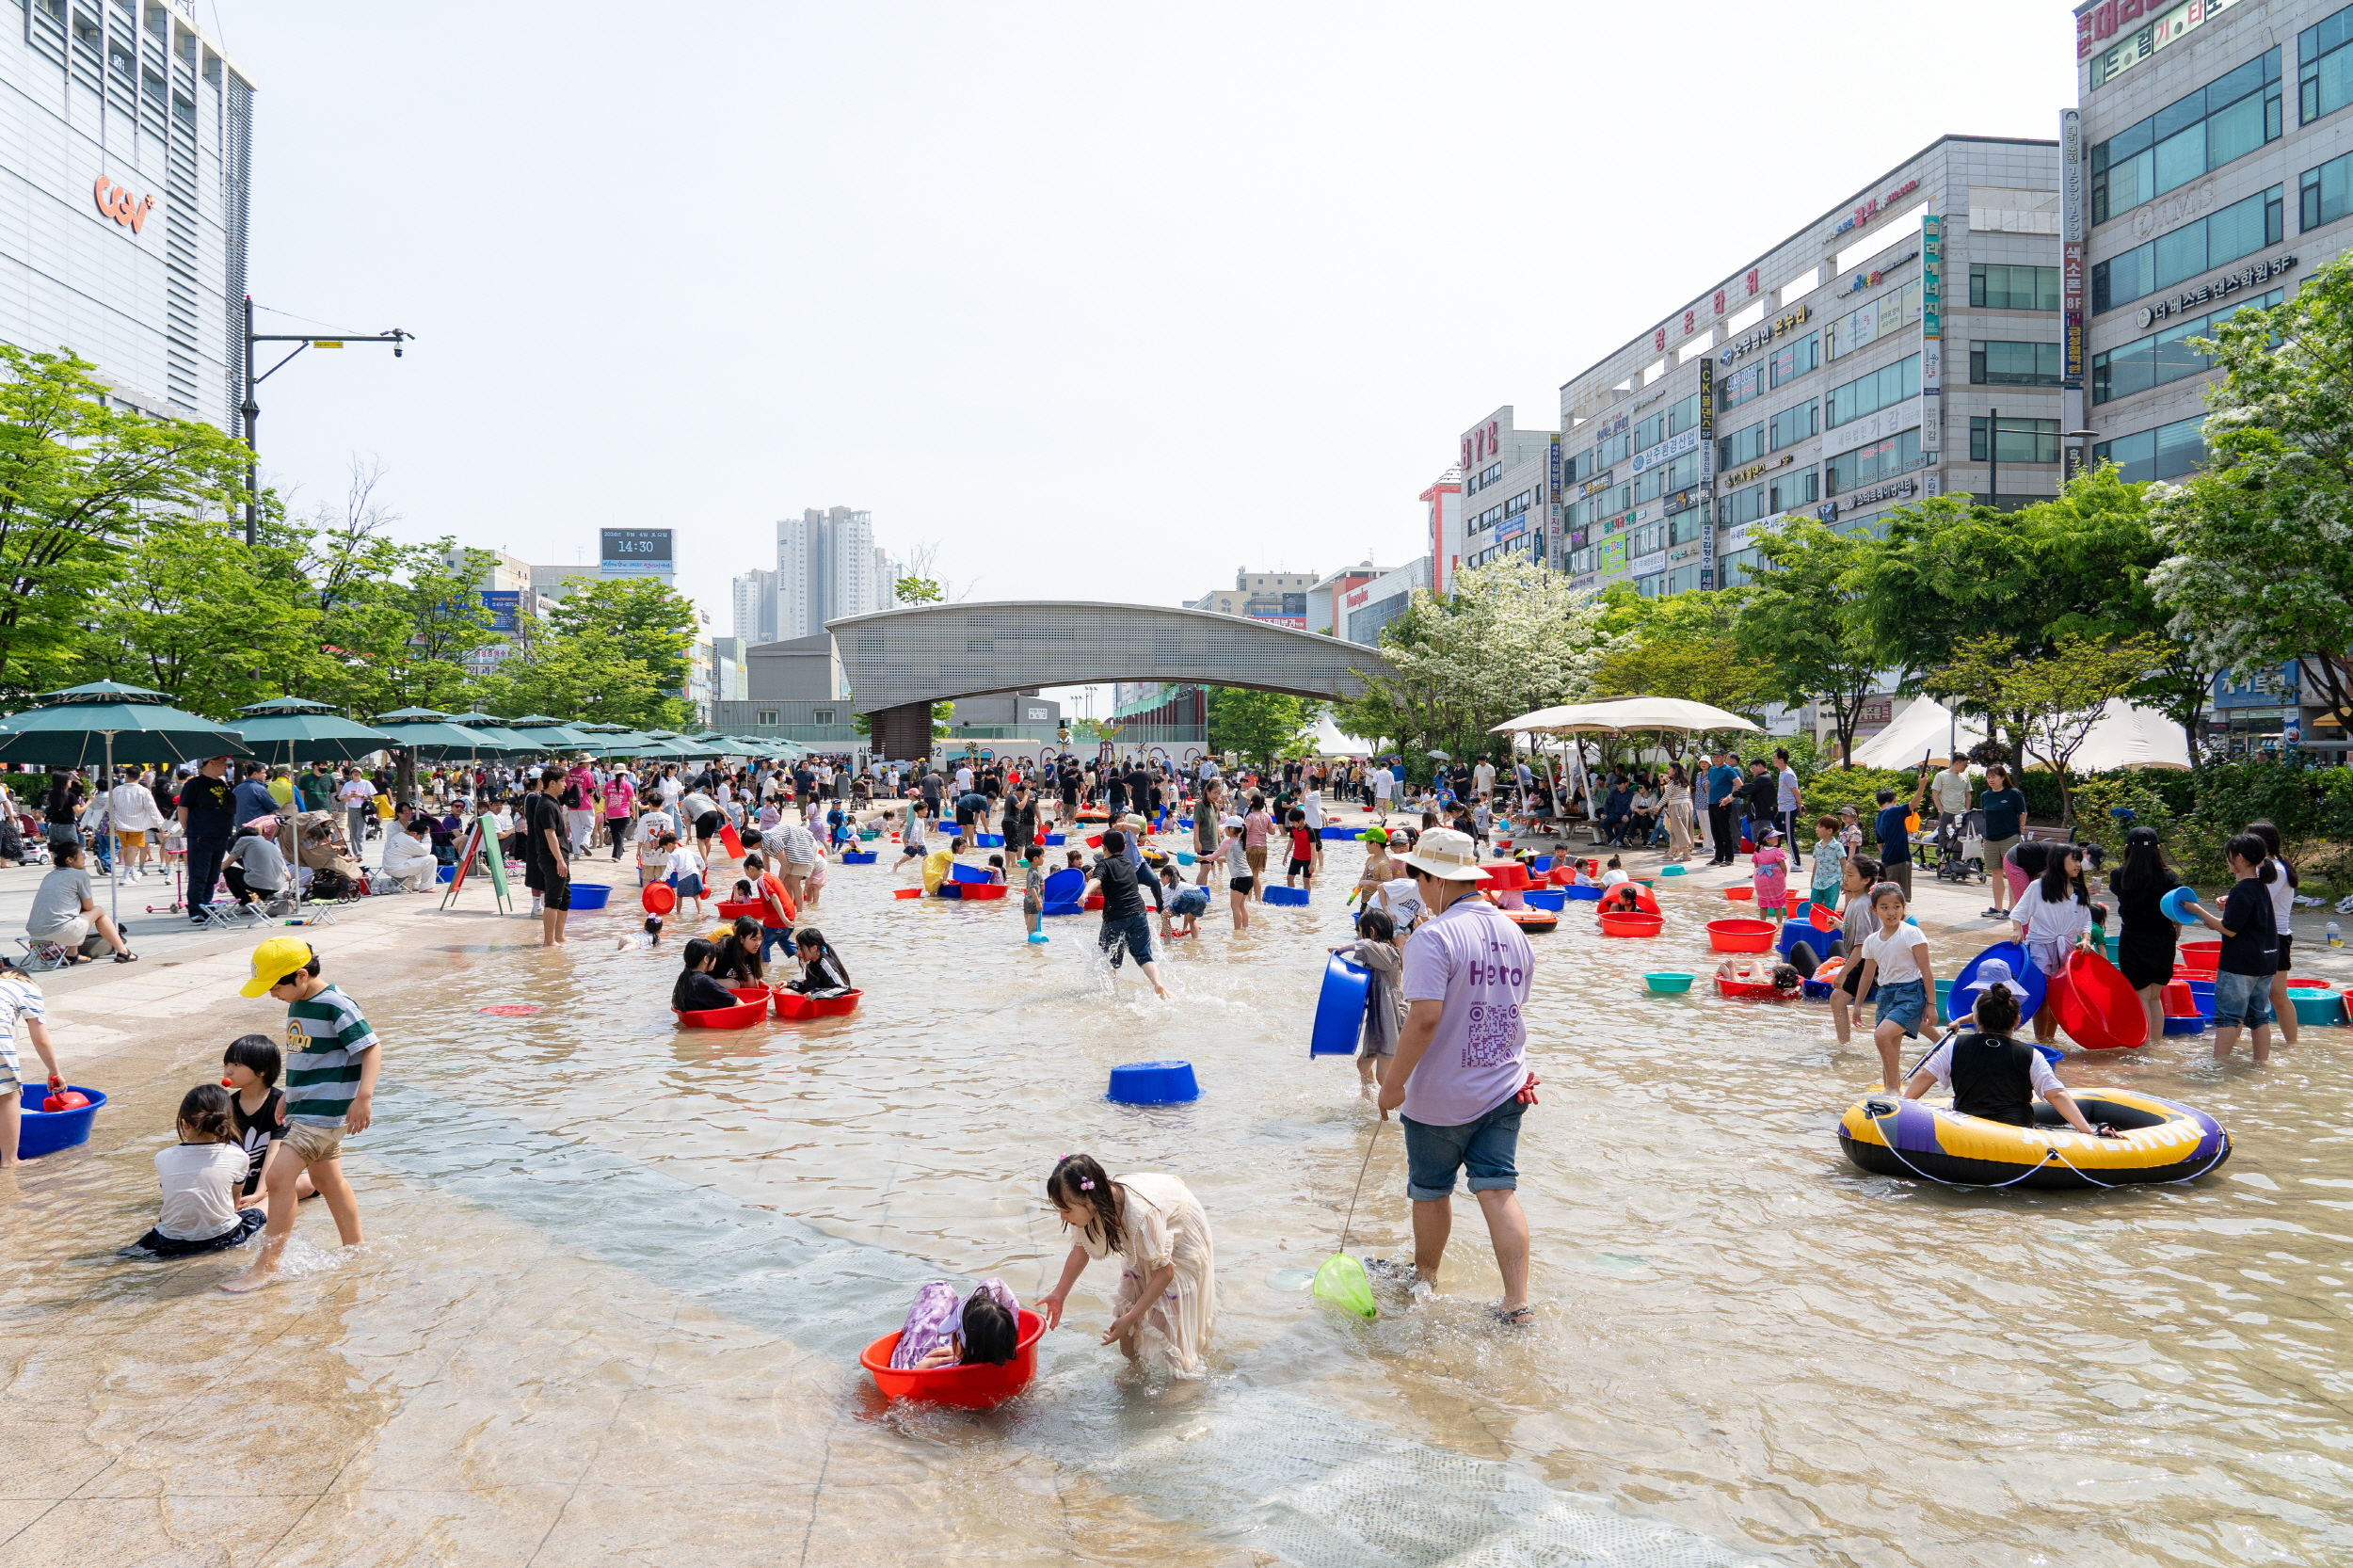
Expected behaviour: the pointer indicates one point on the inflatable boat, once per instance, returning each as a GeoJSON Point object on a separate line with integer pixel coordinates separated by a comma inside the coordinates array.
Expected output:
{"type": "Point", "coordinates": [2162, 1140]}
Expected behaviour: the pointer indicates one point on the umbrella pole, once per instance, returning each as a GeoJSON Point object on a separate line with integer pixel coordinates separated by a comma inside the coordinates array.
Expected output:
{"type": "Point", "coordinates": [113, 844]}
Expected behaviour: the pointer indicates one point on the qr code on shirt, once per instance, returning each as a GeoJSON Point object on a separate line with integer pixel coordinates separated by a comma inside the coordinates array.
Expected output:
{"type": "Point", "coordinates": [1494, 1034]}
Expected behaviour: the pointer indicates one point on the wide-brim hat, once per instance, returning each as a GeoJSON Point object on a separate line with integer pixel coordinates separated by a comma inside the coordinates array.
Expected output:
{"type": "Point", "coordinates": [1447, 854]}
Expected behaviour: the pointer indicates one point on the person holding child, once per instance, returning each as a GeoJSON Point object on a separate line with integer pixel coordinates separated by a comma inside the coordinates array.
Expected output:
{"type": "Point", "coordinates": [1166, 1308]}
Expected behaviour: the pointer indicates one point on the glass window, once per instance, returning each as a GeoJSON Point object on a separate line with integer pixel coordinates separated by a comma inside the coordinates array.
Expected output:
{"type": "Point", "coordinates": [1745, 506]}
{"type": "Point", "coordinates": [2324, 67]}
{"type": "Point", "coordinates": [2163, 356]}
{"type": "Point", "coordinates": [1867, 395]}
{"type": "Point", "coordinates": [2168, 451]}
{"type": "Point", "coordinates": [2228, 118]}
{"type": "Point", "coordinates": [1650, 486]}
{"type": "Point", "coordinates": [1737, 567]}
{"type": "Point", "coordinates": [2022, 441]}
{"type": "Point", "coordinates": [1879, 460]}
{"type": "Point", "coordinates": [2014, 364]}
{"type": "Point", "coordinates": [1741, 385]}
{"type": "Point", "coordinates": [1683, 415]}
{"type": "Point", "coordinates": [1803, 488]}
{"type": "Point", "coordinates": [1794, 359]}
{"type": "Point", "coordinates": [2220, 238]}
{"type": "Point", "coordinates": [1741, 446]}
{"type": "Point", "coordinates": [2321, 193]}
{"type": "Point", "coordinates": [1995, 287]}
{"type": "Point", "coordinates": [1685, 525]}
{"type": "Point", "coordinates": [1650, 432]}
{"type": "Point", "coordinates": [1794, 425]}
{"type": "Point", "coordinates": [1519, 504]}
{"type": "Point", "coordinates": [1648, 540]}
{"type": "Point", "coordinates": [1890, 313]}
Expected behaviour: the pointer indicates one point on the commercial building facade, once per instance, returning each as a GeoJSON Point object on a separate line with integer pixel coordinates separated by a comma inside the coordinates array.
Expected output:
{"type": "Point", "coordinates": [1865, 361]}
{"type": "Point", "coordinates": [1277, 598]}
{"type": "Point", "coordinates": [1507, 502]}
{"type": "Point", "coordinates": [123, 233]}
{"type": "Point", "coordinates": [1370, 606]}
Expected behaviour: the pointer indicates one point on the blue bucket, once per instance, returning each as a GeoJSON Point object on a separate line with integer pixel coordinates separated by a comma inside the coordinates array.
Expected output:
{"type": "Point", "coordinates": [1340, 1009]}
{"type": "Point", "coordinates": [1587, 895]}
{"type": "Point", "coordinates": [1540, 865]}
{"type": "Point", "coordinates": [1153, 1083]}
{"type": "Point", "coordinates": [591, 895]}
{"type": "Point", "coordinates": [1185, 857]}
{"type": "Point", "coordinates": [1546, 898]}
{"type": "Point", "coordinates": [1053, 841]}
{"type": "Point", "coordinates": [42, 1132]}
{"type": "Point", "coordinates": [857, 856]}
{"type": "Point", "coordinates": [992, 840]}
{"type": "Point", "coordinates": [1286, 895]}
{"type": "Point", "coordinates": [444, 873]}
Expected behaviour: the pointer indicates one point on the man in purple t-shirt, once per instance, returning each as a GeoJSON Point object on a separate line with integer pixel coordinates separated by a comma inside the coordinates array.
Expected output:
{"type": "Point", "coordinates": [1461, 1064]}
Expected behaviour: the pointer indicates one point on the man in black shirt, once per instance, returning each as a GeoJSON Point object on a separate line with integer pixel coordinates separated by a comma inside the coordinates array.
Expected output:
{"type": "Point", "coordinates": [206, 812]}
{"type": "Point", "coordinates": [1126, 928]}
{"type": "Point", "coordinates": [545, 858]}
{"type": "Point", "coordinates": [1020, 822]}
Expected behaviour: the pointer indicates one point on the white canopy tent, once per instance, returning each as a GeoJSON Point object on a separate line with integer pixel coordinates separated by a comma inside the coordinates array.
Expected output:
{"type": "Point", "coordinates": [1330, 742]}
{"type": "Point", "coordinates": [2125, 737]}
{"type": "Point", "coordinates": [1614, 715]}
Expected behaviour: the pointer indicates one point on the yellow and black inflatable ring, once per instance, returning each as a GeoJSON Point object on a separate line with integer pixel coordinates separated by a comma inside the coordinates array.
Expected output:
{"type": "Point", "coordinates": [2162, 1142]}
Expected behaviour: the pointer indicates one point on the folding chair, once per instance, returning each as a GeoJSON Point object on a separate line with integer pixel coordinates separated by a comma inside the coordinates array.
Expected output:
{"type": "Point", "coordinates": [42, 957]}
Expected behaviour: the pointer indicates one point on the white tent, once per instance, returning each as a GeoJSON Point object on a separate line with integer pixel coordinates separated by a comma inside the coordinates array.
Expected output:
{"type": "Point", "coordinates": [2125, 737]}
{"type": "Point", "coordinates": [1329, 741]}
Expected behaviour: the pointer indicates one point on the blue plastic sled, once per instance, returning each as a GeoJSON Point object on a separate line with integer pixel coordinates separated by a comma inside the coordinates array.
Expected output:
{"type": "Point", "coordinates": [968, 874]}
{"type": "Point", "coordinates": [1340, 1011]}
{"type": "Point", "coordinates": [2036, 983]}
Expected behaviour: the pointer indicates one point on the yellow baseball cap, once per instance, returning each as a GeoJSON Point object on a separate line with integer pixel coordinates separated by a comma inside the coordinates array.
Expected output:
{"type": "Point", "coordinates": [273, 961]}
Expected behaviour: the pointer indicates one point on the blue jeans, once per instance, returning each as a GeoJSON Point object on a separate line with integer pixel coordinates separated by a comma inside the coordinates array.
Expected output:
{"type": "Point", "coordinates": [1905, 1001]}
{"type": "Point", "coordinates": [1484, 1150]}
{"type": "Point", "coordinates": [1121, 938]}
{"type": "Point", "coordinates": [771, 938]}
{"type": "Point", "coordinates": [2242, 999]}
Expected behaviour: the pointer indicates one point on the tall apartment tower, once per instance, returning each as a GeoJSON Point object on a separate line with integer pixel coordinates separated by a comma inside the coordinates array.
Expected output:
{"type": "Point", "coordinates": [755, 607]}
{"type": "Point", "coordinates": [826, 567]}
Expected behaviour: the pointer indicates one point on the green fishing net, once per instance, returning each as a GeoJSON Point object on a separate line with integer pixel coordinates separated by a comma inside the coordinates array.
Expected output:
{"type": "Point", "coordinates": [1341, 1280]}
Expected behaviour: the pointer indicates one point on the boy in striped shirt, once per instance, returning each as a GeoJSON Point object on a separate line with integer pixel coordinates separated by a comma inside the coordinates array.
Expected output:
{"type": "Point", "coordinates": [332, 1064]}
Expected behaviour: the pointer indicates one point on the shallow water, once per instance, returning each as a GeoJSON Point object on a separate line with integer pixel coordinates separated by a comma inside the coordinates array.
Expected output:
{"type": "Point", "coordinates": [1746, 1348]}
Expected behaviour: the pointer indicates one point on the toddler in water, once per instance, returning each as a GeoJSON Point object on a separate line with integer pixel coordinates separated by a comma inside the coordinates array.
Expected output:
{"type": "Point", "coordinates": [997, 869]}
{"type": "Point", "coordinates": [940, 1332]}
{"type": "Point", "coordinates": [201, 1177]}
{"type": "Point", "coordinates": [1751, 969]}
{"type": "Point", "coordinates": [1771, 877]}
{"type": "Point", "coordinates": [1185, 904]}
{"type": "Point", "coordinates": [649, 936]}
{"type": "Point", "coordinates": [1377, 952]}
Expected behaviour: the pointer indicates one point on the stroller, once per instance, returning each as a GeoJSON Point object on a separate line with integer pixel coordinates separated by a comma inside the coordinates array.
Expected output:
{"type": "Point", "coordinates": [1961, 850]}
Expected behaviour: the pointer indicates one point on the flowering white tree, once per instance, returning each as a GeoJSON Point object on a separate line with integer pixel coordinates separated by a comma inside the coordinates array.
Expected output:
{"type": "Point", "coordinates": [2262, 566]}
{"type": "Point", "coordinates": [1509, 637]}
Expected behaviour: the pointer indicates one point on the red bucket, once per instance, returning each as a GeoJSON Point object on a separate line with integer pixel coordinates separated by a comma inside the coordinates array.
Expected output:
{"type": "Point", "coordinates": [976, 1387]}
{"type": "Point", "coordinates": [2097, 1005]}
{"type": "Point", "coordinates": [2204, 957]}
{"type": "Point", "coordinates": [742, 1015]}
{"type": "Point", "coordinates": [1624, 923]}
{"type": "Point", "coordinates": [799, 1009]}
{"type": "Point", "coordinates": [1741, 935]}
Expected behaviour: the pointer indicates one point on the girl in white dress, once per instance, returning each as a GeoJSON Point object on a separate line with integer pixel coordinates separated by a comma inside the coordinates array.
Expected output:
{"type": "Point", "coordinates": [1166, 1303]}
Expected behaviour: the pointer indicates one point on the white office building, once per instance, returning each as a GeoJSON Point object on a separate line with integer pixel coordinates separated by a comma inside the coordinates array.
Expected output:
{"type": "Point", "coordinates": [123, 235]}
{"type": "Point", "coordinates": [827, 567]}
{"type": "Point", "coordinates": [1510, 500]}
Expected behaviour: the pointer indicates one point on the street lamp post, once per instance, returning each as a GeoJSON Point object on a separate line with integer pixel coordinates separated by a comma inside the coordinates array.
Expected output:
{"type": "Point", "coordinates": [250, 409]}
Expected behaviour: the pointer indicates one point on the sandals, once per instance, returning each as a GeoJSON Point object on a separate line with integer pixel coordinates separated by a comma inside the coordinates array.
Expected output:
{"type": "Point", "coordinates": [1519, 1317]}
{"type": "Point", "coordinates": [126, 957]}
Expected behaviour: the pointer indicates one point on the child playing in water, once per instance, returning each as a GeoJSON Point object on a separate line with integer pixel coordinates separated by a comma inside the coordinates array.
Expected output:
{"type": "Point", "coordinates": [647, 937]}
{"type": "Point", "coordinates": [20, 1002]}
{"type": "Point", "coordinates": [1165, 1309]}
{"type": "Point", "coordinates": [1303, 860]}
{"type": "Point", "coordinates": [1751, 969]}
{"type": "Point", "coordinates": [1615, 873]}
{"type": "Point", "coordinates": [821, 968]}
{"type": "Point", "coordinates": [249, 1069]}
{"type": "Point", "coordinates": [200, 1176]}
{"type": "Point", "coordinates": [697, 990]}
{"type": "Point", "coordinates": [1033, 892]}
{"type": "Point", "coordinates": [1238, 881]}
{"type": "Point", "coordinates": [684, 869]}
{"type": "Point", "coordinates": [740, 958]}
{"type": "Point", "coordinates": [1895, 959]}
{"type": "Point", "coordinates": [1376, 951]}
{"type": "Point", "coordinates": [997, 870]}
{"type": "Point", "coordinates": [1770, 876]}
{"type": "Point", "coordinates": [1830, 858]}
{"type": "Point", "coordinates": [938, 1332]}
{"type": "Point", "coordinates": [1185, 904]}
{"type": "Point", "coordinates": [1856, 876]}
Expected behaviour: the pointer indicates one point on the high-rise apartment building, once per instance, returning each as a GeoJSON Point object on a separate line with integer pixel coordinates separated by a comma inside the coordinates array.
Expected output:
{"type": "Point", "coordinates": [129, 152]}
{"type": "Point", "coordinates": [755, 607]}
{"type": "Point", "coordinates": [826, 567]}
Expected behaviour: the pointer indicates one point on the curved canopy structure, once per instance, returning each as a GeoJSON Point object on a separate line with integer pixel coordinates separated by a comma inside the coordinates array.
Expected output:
{"type": "Point", "coordinates": [925, 654]}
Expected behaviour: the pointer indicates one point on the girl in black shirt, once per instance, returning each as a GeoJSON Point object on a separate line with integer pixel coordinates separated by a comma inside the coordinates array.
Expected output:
{"type": "Point", "coordinates": [2144, 947]}
{"type": "Point", "coordinates": [2242, 986]}
{"type": "Point", "coordinates": [696, 991]}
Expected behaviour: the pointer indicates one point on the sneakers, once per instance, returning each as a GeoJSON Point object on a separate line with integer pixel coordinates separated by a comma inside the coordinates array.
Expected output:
{"type": "Point", "coordinates": [1998, 914]}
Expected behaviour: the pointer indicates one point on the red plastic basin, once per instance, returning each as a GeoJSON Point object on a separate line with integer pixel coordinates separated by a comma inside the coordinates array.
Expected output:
{"type": "Point", "coordinates": [1613, 899]}
{"type": "Point", "coordinates": [2204, 957]}
{"type": "Point", "coordinates": [974, 1387]}
{"type": "Point", "coordinates": [2179, 1000]}
{"type": "Point", "coordinates": [2097, 1005]}
{"type": "Point", "coordinates": [1564, 875]}
{"type": "Point", "coordinates": [1741, 935]}
{"type": "Point", "coordinates": [1508, 877]}
{"type": "Point", "coordinates": [1740, 893]}
{"type": "Point", "coordinates": [984, 891]}
{"type": "Point", "coordinates": [1625, 923]}
{"type": "Point", "coordinates": [1754, 991]}
{"type": "Point", "coordinates": [906, 892]}
{"type": "Point", "coordinates": [2305, 983]}
{"type": "Point", "coordinates": [742, 1015]}
{"type": "Point", "coordinates": [730, 909]}
{"type": "Point", "coordinates": [793, 1005]}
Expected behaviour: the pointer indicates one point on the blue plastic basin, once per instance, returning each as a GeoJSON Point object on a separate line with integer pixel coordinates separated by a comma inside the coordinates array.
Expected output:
{"type": "Point", "coordinates": [1587, 895]}
{"type": "Point", "coordinates": [591, 895]}
{"type": "Point", "coordinates": [857, 856]}
{"type": "Point", "coordinates": [1340, 1009]}
{"type": "Point", "coordinates": [1286, 895]}
{"type": "Point", "coordinates": [1546, 898]}
{"type": "Point", "coordinates": [42, 1132]}
{"type": "Point", "coordinates": [992, 840]}
{"type": "Point", "coordinates": [2193, 1023]}
{"type": "Point", "coordinates": [1153, 1083]}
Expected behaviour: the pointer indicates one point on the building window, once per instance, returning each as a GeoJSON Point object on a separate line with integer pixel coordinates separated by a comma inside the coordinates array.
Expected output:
{"type": "Point", "coordinates": [1734, 569]}
{"type": "Point", "coordinates": [2163, 356]}
{"type": "Point", "coordinates": [2227, 118]}
{"type": "Point", "coordinates": [2321, 193]}
{"type": "Point", "coordinates": [1744, 506]}
{"type": "Point", "coordinates": [2217, 239]}
{"type": "Point", "coordinates": [1794, 490]}
{"type": "Point", "coordinates": [2324, 68]}
{"type": "Point", "coordinates": [1648, 541]}
{"type": "Point", "coordinates": [1795, 424]}
{"type": "Point", "coordinates": [1682, 580]}
{"type": "Point", "coordinates": [1739, 387]}
{"type": "Point", "coordinates": [1650, 432]}
{"type": "Point", "coordinates": [1518, 504]}
{"type": "Point", "coordinates": [2014, 364]}
{"type": "Point", "coordinates": [1683, 415]}
{"type": "Point", "coordinates": [1995, 287]}
{"type": "Point", "coordinates": [1794, 359]}
{"type": "Point", "coordinates": [2024, 440]}
{"type": "Point", "coordinates": [2168, 451]}
{"type": "Point", "coordinates": [1867, 395]}
{"type": "Point", "coordinates": [821, 715]}
{"type": "Point", "coordinates": [1686, 525]}
{"type": "Point", "coordinates": [1879, 460]}
{"type": "Point", "coordinates": [1581, 561]}
{"type": "Point", "coordinates": [767, 715]}
{"type": "Point", "coordinates": [1741, 446]}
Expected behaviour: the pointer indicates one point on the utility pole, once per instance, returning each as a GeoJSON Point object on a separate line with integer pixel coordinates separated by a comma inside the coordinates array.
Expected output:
{"type": "Point", "coordinates": [251, 409]}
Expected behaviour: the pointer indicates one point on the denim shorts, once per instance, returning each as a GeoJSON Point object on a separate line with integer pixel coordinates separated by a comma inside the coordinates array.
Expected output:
{"type": "Point", "coordinates": [1483, 1150]}
{"type": "Point", "coordinates": [1121, 938]}
{"type": "Point", "coordinates": [1903, 1001]}
{"type": "Point", "coordinates": [2242, 999]}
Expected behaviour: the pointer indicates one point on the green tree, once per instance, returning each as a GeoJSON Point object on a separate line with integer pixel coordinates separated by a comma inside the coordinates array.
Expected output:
{"type": "Point", "coordinates": [2259, 569]}
{"type": "Point", "coordinates": [2055, 699]}
{"type": "Point", "coordinates": [1260, 727]}
{"type": "Point", "coordinates": [1684, 645]}
{"type": "Point", "coordinates": [1799, 622]}
{"type": "Point", "coordinates": [79, 481]}
{"type": "Point", "coordinates": [188, 611]}
{"type": "Point", "coordinates": [614, 651]}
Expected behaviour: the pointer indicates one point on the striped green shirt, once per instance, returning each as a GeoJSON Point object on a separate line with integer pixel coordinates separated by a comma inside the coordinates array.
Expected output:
{"type": "Point", "coordinates": [324, 1036]}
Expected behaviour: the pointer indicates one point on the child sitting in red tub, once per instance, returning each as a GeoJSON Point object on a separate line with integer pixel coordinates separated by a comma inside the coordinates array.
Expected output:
{"type": "Point", "coordinates": [1754, 970]}
{"type": "Point", "coordinates": [938, 1333]}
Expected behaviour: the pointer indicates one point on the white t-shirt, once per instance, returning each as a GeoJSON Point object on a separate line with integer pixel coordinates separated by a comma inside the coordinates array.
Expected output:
{"type": "Point", "coordinates": [1484, 777]}
{"type": "Point", "coordinates": [1404, 902]}
{"type": "Point", "coordinates": [1614, 875]}
{"type": "Point", "coordinates": [2050, 922]}
{"type": "Point", "coordinates": [685, 863]}
{"type": "Point", "coordinates": [1939, 1067]}
{"type": "Point", "coordinates": [357, 793]}
{"type": "Point", "coordinates": [671, 787]}
{"type": "Point", "coordinates": [964, 782]}
{"type": "Point", "coordinates": [201, 1183]}
{"type": "Point", "coordinates": [1897, 956]}
{"type": "Point", "coordinates": [2283, 898]}
{"type": "Point", "coordinates": [1382, 784]}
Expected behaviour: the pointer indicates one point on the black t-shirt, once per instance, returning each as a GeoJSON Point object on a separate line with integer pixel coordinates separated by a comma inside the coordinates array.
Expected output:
{"type": "Point", "coordinates": [697, 992]}
{"type": "Point", "coordinates": [1993, 1077]}
{"type": "Point", "coordinates": [2003, 809]}
{"type": "Point", "coordinates": [2145, 924]}
{"type": "Point", "coordinates": [1123, 888]}
{"type": "Point", "coordinates": [212, 807]}
{"type": "Point", "coordinates": [257, 1132]}
{"type": "Point", "coordinates": [539, 814]}
{"type": "Point", "coordinates": [2256, 948]}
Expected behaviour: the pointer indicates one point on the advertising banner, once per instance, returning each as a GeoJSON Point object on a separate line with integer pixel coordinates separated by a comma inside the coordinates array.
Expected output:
{"type": "Point", "coordinates": [635, 551]}
{"type": "Point", "coordinates": [1932, 277]}
{"type": "Point", "coordinates": [502, 605]}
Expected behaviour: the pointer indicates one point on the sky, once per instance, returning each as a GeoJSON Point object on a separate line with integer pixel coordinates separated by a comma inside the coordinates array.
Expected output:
{"type": "Point", "coordinates": [1105, 301]}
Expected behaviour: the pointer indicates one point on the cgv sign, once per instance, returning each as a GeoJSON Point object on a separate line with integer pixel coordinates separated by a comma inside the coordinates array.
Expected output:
{"type": "Point", "coordinates": [116, 202]}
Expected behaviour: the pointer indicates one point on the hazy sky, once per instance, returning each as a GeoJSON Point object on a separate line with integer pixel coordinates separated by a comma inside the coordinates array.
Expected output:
{"type": "Point", "coordinates": [1110, 300]}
